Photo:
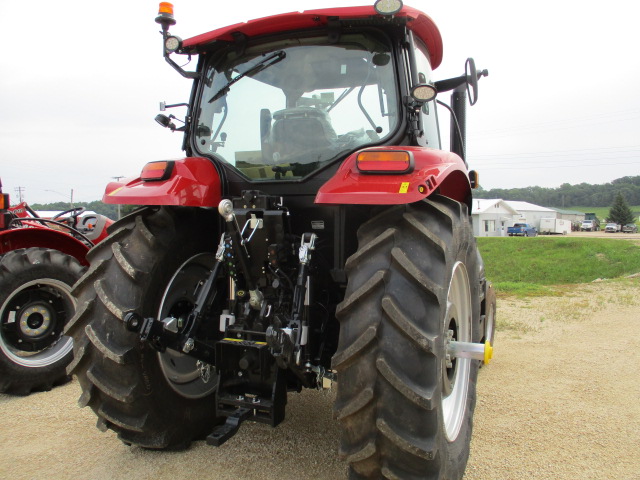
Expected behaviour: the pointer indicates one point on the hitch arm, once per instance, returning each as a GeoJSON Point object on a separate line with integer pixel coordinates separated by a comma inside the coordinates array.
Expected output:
{"type": "Point", "coordinates": [156, 333]}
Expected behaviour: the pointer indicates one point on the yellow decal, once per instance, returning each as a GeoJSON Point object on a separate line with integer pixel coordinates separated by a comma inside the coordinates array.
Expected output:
{"type": "Point", "coordinates": [116, 191]}
{"type": "Point", "coordinates": [404, 187]}
{"type": "Point", "coordinates": [241, 340]}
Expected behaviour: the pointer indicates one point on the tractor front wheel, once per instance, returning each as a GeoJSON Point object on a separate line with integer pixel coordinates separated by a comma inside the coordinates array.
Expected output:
{"type": "Point", "coordinates": [405, 406]}
{"type": "Point", "coordinates": [35, 304]}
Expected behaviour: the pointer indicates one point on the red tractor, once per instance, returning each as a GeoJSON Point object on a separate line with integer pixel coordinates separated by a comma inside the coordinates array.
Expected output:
{"type": "Point", "coordinates": [40, 260]}
{"type": "Point", "coordinates": [314, 232]}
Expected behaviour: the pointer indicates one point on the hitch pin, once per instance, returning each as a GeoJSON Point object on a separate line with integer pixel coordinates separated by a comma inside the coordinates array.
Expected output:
{"type": "Point", "coordinates": [476, 351]}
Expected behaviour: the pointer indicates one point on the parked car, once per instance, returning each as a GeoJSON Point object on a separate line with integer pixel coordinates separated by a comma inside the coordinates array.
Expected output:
{"type": "Point", "coordinates": [612, 228]}
{"type": "Point", "coordinates": [630, 228]}
{"type": "Point", "coordinates": [522, 229]}
{"type": "Point", "coordinates": [589, 226]}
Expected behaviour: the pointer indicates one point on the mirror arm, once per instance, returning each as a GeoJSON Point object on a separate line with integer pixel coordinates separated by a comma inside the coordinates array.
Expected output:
{"type": "Point", "coordinates": [178, 68]}
{"type": "Point", "coordinates": [450, 83]}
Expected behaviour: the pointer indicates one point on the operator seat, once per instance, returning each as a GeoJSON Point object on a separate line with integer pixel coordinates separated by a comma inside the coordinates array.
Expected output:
{"type": "Point", "coordinates": [92, 225]}
{"type": "Point", "coordinates": [302, 135]}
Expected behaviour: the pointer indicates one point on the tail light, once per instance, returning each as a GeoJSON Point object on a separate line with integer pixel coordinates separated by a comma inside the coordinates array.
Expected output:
{"type": "Point", "coordinates": [4, 201]}
{"type": "Point", "coordinates": [385, 161]}
{"type": "Point", "coordinates": [156, 171]}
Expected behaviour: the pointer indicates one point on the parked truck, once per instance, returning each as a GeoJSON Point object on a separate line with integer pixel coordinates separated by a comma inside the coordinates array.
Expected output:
{"type": "Point", "coordinates": [40, 260]}
{"type": "Point", "coordinates": [590, 223]}
{"type": "Point", "coordinates": [554, 226]}
{"type": "Point", "coordinates": [522, 230]}
{"type": "Point", "coordinates": [314, 232]}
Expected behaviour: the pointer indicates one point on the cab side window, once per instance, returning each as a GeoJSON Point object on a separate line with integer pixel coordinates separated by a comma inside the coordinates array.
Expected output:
{"type": "Point", "coordinates": [431, 137]}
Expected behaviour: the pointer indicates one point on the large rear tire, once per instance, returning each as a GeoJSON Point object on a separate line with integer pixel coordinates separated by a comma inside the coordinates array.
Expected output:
{"type": "Point", "coordinates": [35, 304]}
{"type": "Point", "coordinates": [405, 411]}
{"type": "Point", "coordinates": [153, 264]}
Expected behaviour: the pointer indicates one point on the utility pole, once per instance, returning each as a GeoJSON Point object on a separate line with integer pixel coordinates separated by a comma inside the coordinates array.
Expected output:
{"type": "Point", "coordinates": [19, 191]}
{"type": "Point", "coordinates": [117, 179]}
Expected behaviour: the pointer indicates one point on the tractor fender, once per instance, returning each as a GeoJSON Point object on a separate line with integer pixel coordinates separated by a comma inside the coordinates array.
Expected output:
{"type": "Point", "coordinates": [191, 182]}
{"type": "Point", "coordinates": [44, 238]}
{"type": "Point", "coordinates": [434, 170]}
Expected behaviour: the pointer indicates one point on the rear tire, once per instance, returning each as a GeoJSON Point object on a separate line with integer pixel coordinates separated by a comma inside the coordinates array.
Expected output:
{"type": "Point", "coordinates": [35, 304]}
{"type": "Point", "coordinates": [150, 399]}
{"type": "Point", "coordinates": [404, 413]}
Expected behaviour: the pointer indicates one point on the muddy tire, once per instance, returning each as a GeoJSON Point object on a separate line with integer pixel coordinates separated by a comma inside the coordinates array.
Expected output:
{"type": "Point", "coordinates": [35, 304]}
{"type": "Point", "coordinates": [150, 399]}
{"type": "Point", "coordinates": [404, 413]}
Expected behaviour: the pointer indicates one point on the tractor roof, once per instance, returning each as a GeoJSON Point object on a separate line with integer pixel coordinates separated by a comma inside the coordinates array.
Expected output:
{"type": "Point", "coordinates": [421, 25]}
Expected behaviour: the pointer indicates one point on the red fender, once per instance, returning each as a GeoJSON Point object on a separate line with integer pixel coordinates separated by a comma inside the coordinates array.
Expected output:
{"type": "Point", "coordinates": [45, 238]}
{"type": "Point", "coordinates": [433, 169]}
{"type": "Point", "coordinates": [194, 182]}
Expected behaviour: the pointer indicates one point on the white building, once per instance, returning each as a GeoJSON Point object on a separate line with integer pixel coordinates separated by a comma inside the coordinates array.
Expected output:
{"type": "Point", "coordinates": [492, 217]}
{"type": "Point", "coordinates": [572, 215]}
{"type": "Point", "coordinates": [530, 213]}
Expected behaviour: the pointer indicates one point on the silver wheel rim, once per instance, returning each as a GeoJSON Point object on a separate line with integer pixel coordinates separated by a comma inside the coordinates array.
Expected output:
{"type": "Point", "coordinates": [61, 347]}
{"type": "Point", "coordinates": [456, 377]}
{"type": "Point", "coordinates": [182, 372]}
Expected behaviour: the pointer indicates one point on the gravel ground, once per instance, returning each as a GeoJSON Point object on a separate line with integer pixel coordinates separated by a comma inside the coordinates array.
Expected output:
{"type": "Point", "coordinates": [560, 400]}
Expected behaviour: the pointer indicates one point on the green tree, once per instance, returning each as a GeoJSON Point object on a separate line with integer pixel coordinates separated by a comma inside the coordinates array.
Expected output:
{"type": "Point", "coordinates": [620, 212]}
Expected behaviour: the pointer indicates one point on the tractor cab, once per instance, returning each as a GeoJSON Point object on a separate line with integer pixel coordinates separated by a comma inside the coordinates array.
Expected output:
{"type": "Point", "coordinates": [283, 104]}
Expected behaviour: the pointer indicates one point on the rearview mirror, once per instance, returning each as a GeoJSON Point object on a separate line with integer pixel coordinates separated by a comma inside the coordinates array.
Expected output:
{"type": "Point", "coordinates": [471, 75]}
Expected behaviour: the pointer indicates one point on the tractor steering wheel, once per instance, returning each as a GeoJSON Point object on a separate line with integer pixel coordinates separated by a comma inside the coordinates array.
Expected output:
{"type": "Point", "coordinates": [73, 214]}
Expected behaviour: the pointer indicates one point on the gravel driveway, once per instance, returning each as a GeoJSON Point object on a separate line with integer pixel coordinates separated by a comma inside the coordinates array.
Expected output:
{"type": "Point", "coordinates": [561, 400]}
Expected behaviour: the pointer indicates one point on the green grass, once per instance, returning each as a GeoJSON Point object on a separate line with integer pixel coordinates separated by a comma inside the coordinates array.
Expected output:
{"type": "Point", "coordinates": [535, 266]}
{"type": "Point", "coordinates": [602, 212]}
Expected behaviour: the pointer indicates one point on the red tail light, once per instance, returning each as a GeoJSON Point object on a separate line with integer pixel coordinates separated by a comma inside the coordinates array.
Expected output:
{"type": "Point", "coordinates": [385, 161]}
{"type": "Point", "coordinates": [156, 171]}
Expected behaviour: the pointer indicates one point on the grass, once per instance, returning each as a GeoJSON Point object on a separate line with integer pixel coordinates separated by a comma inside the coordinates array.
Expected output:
{"type": "Point", "coordinates": [538, 266]}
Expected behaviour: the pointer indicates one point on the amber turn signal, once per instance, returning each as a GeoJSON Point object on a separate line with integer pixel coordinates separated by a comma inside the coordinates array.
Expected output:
{"type": "Point", "coordinates": [155, 171]}
{"type": "Point", "coordinates": [385, 161]}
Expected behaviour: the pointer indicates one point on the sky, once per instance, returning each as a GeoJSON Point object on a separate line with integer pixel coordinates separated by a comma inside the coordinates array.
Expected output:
{"type": "Point", "coordinates": [80, 84]}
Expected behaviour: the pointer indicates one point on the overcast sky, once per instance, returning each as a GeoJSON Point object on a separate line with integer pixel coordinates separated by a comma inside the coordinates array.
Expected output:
{"type": "Point", "coordinates": [80, 83]}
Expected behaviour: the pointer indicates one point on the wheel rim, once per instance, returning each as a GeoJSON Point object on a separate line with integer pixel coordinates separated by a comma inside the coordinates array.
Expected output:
{"type": "Point", "coordinates": [184, 373]}
{"type": "Point", "coordinates": [456, 376]}
{"type": "Point", "coordinates": [33, 317]}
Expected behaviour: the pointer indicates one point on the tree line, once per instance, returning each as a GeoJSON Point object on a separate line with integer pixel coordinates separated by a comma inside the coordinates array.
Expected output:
{"type": "Point", "coordinates": [97, 206]}
{"type": "Point", "coordinates": [567, 195]}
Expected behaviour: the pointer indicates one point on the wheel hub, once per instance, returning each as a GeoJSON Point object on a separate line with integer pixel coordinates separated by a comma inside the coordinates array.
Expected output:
{"type": "Point", "coordinates": [32, 319]}
{"type": "Point", "coordinates": [36, 320]}
{"type": "Point", "coordinates": [186, 375]}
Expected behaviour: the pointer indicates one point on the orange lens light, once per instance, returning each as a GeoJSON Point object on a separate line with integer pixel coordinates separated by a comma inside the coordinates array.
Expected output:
{"type": "Point", "coordinates": [156, 171]}
{"type": "Point", "coordinates": [166, 7]}
{"type": "Point", "coordinates": [384, 161]}
{"type": "Point", "coordinates": [4, 201]}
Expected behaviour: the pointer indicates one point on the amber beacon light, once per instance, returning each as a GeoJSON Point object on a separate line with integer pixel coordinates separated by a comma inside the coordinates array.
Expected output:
{"type": "Point", "coordinates": [165, 15]}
